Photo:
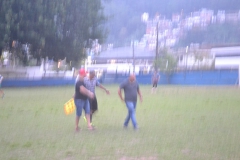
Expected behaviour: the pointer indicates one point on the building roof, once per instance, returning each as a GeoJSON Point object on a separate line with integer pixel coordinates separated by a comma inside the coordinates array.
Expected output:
{"type": "Point", "coordinates": [125, 52]}
{"type": "Point", "coordinates": [226, 51]}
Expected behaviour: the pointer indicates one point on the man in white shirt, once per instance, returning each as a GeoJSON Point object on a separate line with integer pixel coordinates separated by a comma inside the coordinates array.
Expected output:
{"type": "Point", "coordinates": [91, 82]}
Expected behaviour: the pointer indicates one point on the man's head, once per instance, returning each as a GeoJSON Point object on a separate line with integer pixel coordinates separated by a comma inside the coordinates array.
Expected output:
{"type": "Point", "coordinates": [82, 72]}
{"type": "Point", "coordinates": [132, 78]}
{"type": "Point", "coordinates": [91, 74]}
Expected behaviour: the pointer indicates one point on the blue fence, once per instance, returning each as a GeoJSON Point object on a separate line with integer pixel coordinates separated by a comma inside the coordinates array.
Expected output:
{"type": "Point", "coordinates": [39, 82]}
{"type": "Point", "coordinates": [220, 77]}
{"type": "Point", "coordinates": [214, 77]}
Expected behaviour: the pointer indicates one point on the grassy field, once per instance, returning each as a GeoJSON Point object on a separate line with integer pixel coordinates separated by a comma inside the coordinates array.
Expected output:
{"type": "Point", "coordinates": [177, 123]}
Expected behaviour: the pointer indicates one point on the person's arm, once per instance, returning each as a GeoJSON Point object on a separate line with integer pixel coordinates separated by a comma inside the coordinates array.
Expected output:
{"type": "Point", "coordinates": [77, 78]}
{"type": "Point", "coordinates": [86, 92]}
{"type": "Point", "coordinates": [140, 95]}
{"type": "Point", "coordinates": [120, 94]}
{"type": "Point", "coordinates": [102, 87]}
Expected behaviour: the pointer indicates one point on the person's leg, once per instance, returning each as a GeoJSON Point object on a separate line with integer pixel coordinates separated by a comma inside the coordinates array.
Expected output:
{"type": "Point", "coordinates": [94, 107]}
{"type": "Point", "coordinates": [76, 123]}
{"type": "Point", "coordinates": [91, 106]}
{"type": "Point", "coordinates": [87, 113]}
{"type": "Point", "coordinates": [155, 89]}
{"type": "Point", "coordinates": [131, 113]}
{"type": "Point", "coordinates": [84, 117]}
{"type": "Point", "coordinates": [152, 88]}
{"type": "Point", "coordinates": [134, 120]}
{"type": "Point", "coordinates": [91, 116]}
{"type": "Point", "coordinates": [2, 93]}
{"type": "Point", "coordinates": [127, 119]}
{"type": "Point", "coordinates": [88, 121]}
{"type": "Point", "coordinates": [78, 104]}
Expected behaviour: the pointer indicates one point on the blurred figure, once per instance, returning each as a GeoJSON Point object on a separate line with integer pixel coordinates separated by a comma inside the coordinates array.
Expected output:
{"type": "Point", "coordinates": [155, 79]}
{"type": "Point", "coordinates": [131, 90]}
{"type": "Point", "coordinates": [1, 79]}
{"type": "Point", "coordinates": [81, 100]}
{"type": "Point", "coordinates": [91, 82]}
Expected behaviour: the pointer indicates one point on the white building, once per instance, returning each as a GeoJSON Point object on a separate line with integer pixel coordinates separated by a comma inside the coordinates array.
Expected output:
{"type": "Point", "coordinates": [226, 57]}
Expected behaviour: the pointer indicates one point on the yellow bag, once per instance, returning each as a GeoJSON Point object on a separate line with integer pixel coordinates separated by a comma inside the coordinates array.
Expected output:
{"type": "Point", "coordinates": [69, 107]}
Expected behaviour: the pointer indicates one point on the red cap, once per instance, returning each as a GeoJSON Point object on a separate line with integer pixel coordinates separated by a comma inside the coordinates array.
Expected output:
{"type": "Point", "coordinates": [82, 72]}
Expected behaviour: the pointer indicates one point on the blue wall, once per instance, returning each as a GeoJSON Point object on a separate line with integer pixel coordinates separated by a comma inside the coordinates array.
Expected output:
{"type": "Point", "coordinates": [215, 77]}
{"type": "Point", "coordinates": [219, 77]}
{"type": "Point", "coordinates": [40, 82]}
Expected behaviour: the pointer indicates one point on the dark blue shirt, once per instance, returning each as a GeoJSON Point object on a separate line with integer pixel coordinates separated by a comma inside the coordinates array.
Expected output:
{"type": "Point", "coordinates": [78, 94]}
{"type": "Point", "coordinates": [130, 90]}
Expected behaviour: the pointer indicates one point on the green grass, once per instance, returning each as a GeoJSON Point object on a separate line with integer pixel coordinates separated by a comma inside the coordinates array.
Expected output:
{"type": "Point", "coordinates": [177, 123]}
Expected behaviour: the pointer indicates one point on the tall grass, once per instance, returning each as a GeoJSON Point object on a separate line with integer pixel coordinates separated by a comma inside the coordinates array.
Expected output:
{"type": "Point", "coordinates": [176, 123]}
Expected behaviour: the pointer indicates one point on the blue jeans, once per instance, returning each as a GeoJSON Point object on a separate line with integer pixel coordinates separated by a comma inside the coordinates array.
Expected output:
{"type": "Point", "coordinates": [131, 106]}
{"type": "Point", "coordinates": [80, 105]}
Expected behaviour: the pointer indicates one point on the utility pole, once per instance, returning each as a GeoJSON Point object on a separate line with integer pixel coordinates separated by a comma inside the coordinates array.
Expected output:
{"type": "Point", "coordinates": [186, 57]}
{"type": "Point", "coordinates": [156, 56]}
{"type": "Point", "coordinates": [239, 75]}
{"type": "Point", "coordinates": [133, 58]}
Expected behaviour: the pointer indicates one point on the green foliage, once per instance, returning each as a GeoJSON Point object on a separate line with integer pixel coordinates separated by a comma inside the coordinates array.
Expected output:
{"type": "Point", "coordinates": [165, 61]}
{"type": "Point", "coordinates": [55, 29]}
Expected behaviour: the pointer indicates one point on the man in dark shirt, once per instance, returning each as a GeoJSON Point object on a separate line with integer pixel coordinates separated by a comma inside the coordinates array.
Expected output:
{"type": "Point", "coordinates": [81, 100]}
{"type": "Point", "coordinates": [131, 90]}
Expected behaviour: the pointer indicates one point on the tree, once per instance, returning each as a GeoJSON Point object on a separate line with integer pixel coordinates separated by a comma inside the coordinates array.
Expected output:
{"type": "Point", "coordinates": [27, 22]}
{"type": "Point", "coordinates": [166, 62]}
{"type": "Point", "coordinates": [55, 29]}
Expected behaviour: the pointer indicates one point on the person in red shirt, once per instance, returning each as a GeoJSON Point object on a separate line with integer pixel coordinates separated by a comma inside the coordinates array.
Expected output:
{"type": "Point", "coordinates": [81, 100]}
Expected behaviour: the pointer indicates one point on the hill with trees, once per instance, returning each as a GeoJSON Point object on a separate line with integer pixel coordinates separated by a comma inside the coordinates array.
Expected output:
{"type": "Point", "coordinates": [124, 18]}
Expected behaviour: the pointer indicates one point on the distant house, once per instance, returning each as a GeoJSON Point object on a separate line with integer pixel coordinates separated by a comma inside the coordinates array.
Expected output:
{"type": "Point", "coordinates": [123, 59]}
